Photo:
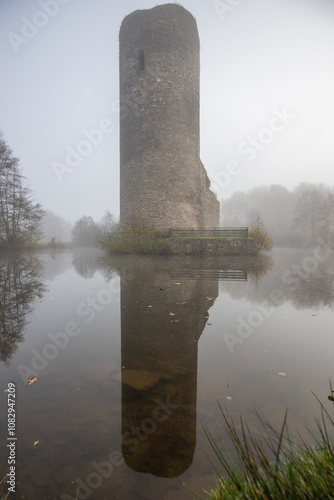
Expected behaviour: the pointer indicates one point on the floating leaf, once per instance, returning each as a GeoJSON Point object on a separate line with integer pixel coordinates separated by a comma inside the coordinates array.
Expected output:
{"type": "Point", "coordinates": [281, 374]}
{"type": "Point", "coordinates": [263, 371]}
{"type": "Point", "coordinates": [228, 397]}
{"type": "Point", "coordinates": [171, 314]}
{"type": "Point", "coordinates": [209, 298]}
{"type": "Point", "coordinates": [6, 390]}
{"type": "Point", "coordinates": [209, 324]}
{"type": "Point", "coordinates": [32, 380]}
{"type": "Point", "coordinates": [36, 442]}
{"type": "Point", "coordinates": [314, 315]}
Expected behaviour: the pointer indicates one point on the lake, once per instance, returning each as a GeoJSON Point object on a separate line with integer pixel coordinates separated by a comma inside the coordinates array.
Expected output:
{"type": "Point", "coordinates": [129, 356]}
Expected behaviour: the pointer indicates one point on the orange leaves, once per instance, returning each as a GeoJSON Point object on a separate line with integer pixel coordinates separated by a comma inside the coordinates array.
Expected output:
{"type": "Point", "coordinates": [32, 380]}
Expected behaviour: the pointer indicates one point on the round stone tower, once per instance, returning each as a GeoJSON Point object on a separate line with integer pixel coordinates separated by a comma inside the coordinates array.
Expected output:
{"type": "Point", "coordinates": [162, 180]}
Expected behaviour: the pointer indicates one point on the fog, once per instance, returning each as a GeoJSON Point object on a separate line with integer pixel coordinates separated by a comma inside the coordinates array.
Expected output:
{"type": "Point", "coordinates": [267, 79]}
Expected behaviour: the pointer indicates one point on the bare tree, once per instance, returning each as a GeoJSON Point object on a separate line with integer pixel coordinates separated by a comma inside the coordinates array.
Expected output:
{"type": "Point", "coordinates": [20, 216]}
{"type": "Point", "coordinates": [108, 225]}
{"type": "Point", "coordinates": [313, 208]}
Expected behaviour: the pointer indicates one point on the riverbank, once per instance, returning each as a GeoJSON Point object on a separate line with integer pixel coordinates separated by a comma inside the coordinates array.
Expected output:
{"type": "Point", "coordinates": [273, 467]}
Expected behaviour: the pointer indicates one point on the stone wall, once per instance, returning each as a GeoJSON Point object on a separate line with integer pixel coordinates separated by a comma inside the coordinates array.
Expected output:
{"type": "Point", "coordinates": [199, 246]}
{"type": "Point", "coordinates": [162, 179]}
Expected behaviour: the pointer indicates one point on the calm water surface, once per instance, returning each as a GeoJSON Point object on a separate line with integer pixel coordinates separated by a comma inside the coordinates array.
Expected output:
{"type": "Point", "coordinates": [131, 355]}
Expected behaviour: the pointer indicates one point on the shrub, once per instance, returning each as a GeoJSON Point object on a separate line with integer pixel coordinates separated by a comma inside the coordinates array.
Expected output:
{"type": "Point", "coordinates": [263, 239]}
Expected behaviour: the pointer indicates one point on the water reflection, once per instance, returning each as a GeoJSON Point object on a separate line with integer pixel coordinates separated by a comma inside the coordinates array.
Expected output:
{"type": "Point", "coordinates": [162, 321]}
{"type": "Point", "coordinates": [164, 309]}
{"type": "Point", "coordinates": [75, 409]}
{"type": "Point", "coordinates": [301, 279]}
{"type": "Point", "coordinates": [20, 286]}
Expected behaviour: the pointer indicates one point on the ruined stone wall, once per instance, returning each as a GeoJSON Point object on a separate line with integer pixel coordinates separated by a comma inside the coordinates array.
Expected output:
{"type": "Point", "coordinates": [207, 247]}
{"type": "Point", "coordinates": [162, 179]}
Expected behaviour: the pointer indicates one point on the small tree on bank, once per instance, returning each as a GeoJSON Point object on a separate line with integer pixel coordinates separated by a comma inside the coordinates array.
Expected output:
{"type": "Point", "coordinates": [263, 240]}
{"type": "Point", "coordinates": [20, 215]}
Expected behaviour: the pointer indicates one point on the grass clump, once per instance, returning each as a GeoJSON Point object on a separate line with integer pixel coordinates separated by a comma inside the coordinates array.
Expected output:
{"type": "Point", "coordinates": [273, 467]}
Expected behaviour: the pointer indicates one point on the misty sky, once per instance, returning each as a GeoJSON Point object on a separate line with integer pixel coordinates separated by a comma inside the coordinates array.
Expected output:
{"type": "Point", "coordinates": [267, 98]}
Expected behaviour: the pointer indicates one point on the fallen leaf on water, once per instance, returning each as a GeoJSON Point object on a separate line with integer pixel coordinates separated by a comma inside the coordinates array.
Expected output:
{"type": "Point", "coordinates": [209, 298]}
{"type": "Point", "coordinates": [209, 323]}
{"type": "Point", "coordinates": [177, 283]}
{"type": "Point", "coordinates": [6, 390]}
{"type": "Point", "coordinates": [228, 397]}
{"type": "Point", "coordinates": [264, 371]}
{"type": "Point", "coordinates": [171, 314]}
{"type": "Point", "coordinates": [36, 442]}
{"type": "Point", "coordinates": [32, 380]}
{"type": "Point", "coordinates": [281, 374]}
{"type": "Point", "coordinates": [314, 315]}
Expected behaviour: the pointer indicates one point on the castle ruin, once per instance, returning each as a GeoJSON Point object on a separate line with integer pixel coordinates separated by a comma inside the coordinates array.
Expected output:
{"type": "Point", "coordinates": [162, 179]}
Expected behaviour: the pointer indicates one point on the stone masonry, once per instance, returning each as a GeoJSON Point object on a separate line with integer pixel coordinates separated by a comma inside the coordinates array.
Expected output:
{"type": "Point", "coordinates": [162, 179]}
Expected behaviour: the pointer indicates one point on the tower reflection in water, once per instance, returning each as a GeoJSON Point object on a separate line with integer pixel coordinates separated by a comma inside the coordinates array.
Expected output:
{"type": "Point", "coordinates": [163, 314]}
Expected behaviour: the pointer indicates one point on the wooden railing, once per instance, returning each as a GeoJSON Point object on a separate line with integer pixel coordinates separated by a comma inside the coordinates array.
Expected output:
{"type": "Point", "coordinates": [216, 232]}
{"type": "Point", "coordinates": [211, 274]}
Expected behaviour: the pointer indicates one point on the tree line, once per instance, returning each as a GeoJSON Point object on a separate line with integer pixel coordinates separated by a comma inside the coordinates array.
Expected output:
{"type": "Point", "coordinates": [293, 217]}
{"type": "Point", "coordinates": [23, 221]}
{"type": "Point", "coordinates": [20, 215]}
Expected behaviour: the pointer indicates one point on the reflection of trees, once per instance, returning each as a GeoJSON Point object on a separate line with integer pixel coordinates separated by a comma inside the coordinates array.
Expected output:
{"type": "Point", "coordinates": [260, 267]}
{"type": "Point", "coordinates": [316, 291]}
{"type": "Point", "coordinates": [86, 261]}
{"type": "Point", "coordinates": [289, 274]}
{"type": "Point", "coordinates": [19, 287]}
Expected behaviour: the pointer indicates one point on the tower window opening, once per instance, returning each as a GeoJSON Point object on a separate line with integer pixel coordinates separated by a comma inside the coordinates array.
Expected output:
{"type": "Point", "coordinates": [141, 58]}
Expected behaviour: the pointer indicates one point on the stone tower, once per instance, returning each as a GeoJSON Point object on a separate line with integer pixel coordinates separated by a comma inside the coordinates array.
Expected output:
{"type": "Point", "coordinates": [162, 179]}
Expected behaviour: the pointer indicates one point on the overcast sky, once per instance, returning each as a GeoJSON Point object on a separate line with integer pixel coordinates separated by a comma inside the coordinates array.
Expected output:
{"type": "Point", "coordinates": [267, 94]}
